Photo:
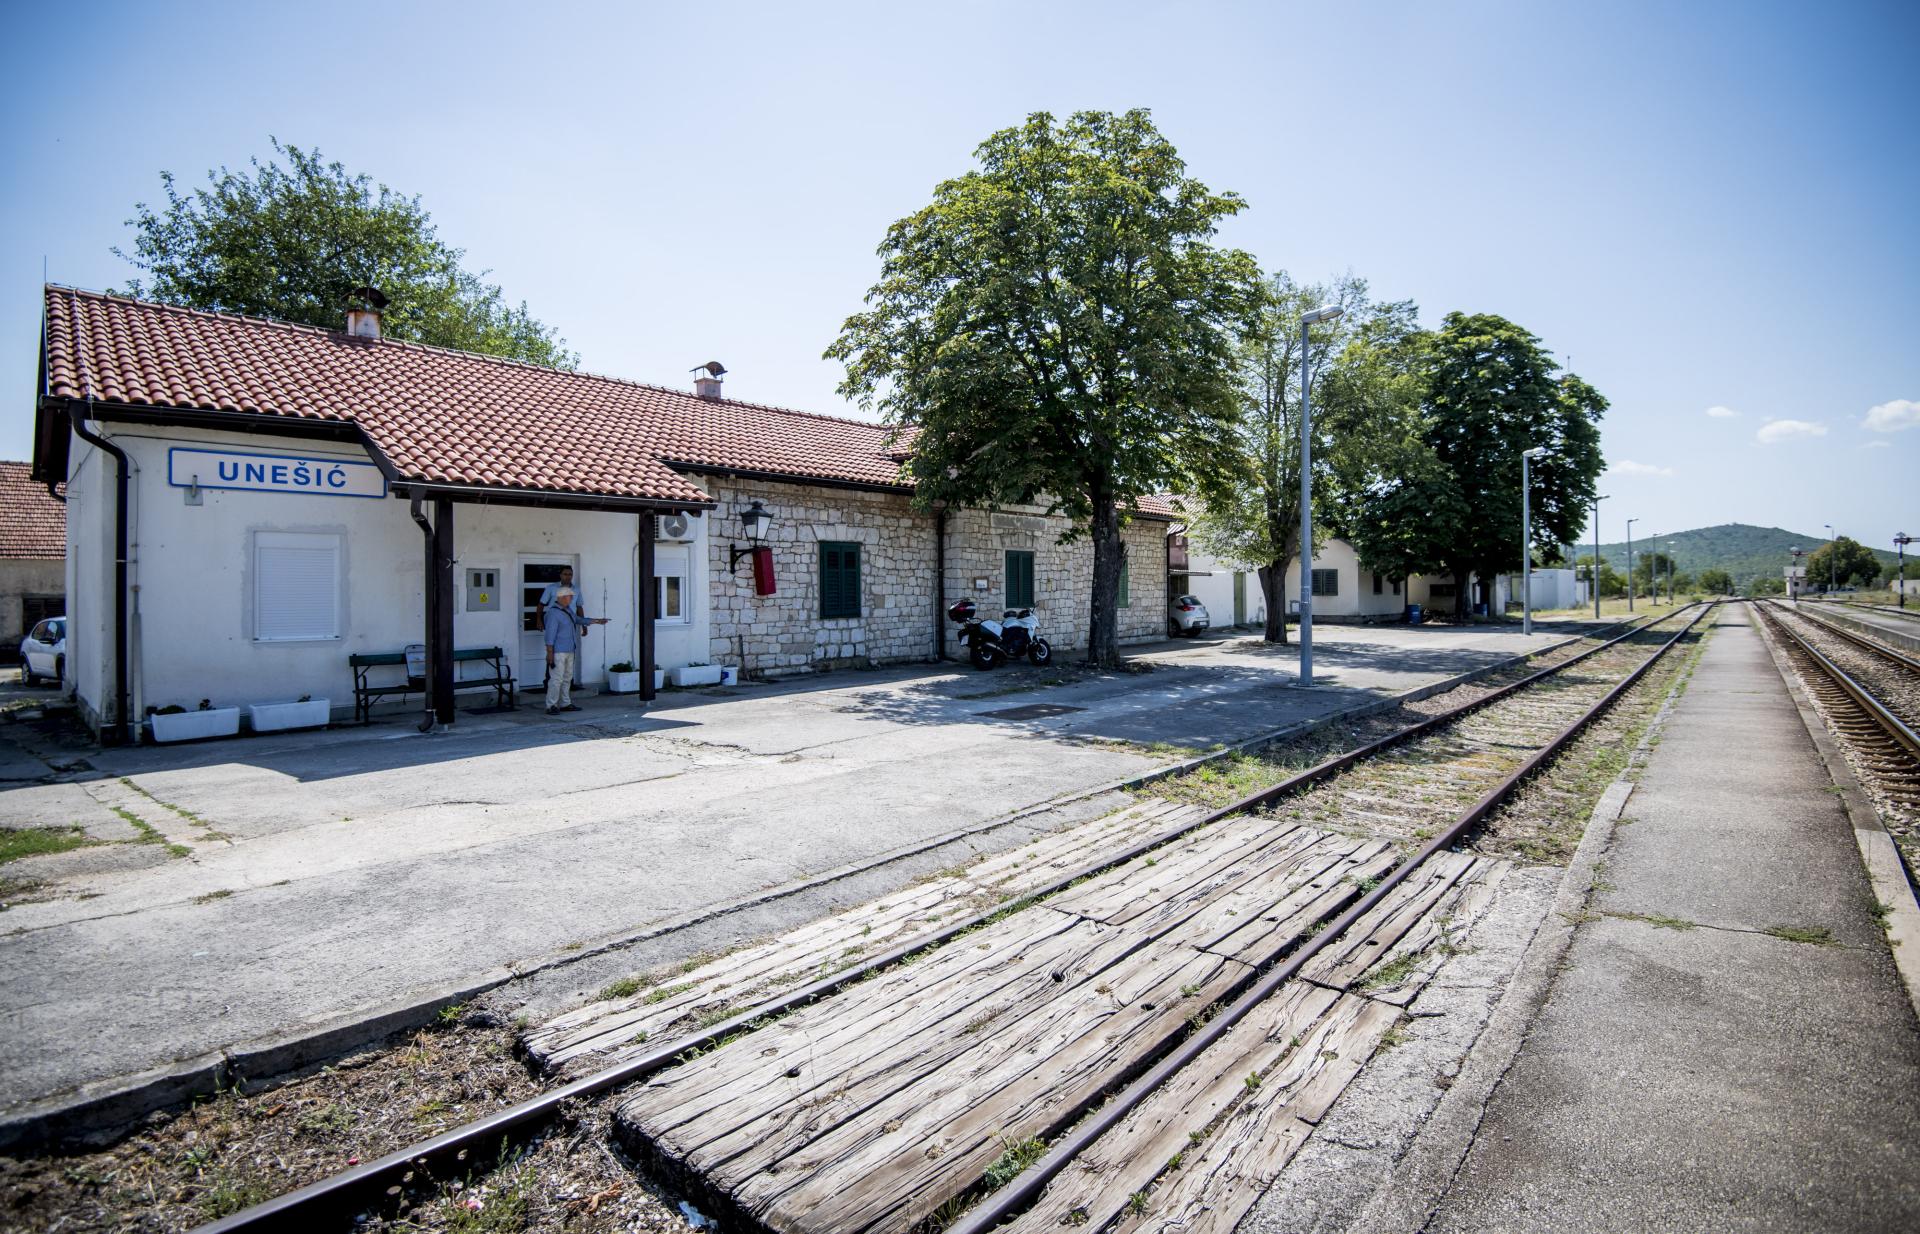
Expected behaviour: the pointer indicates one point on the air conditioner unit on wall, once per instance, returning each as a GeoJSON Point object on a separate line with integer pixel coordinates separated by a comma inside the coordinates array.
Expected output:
{"type": "Point", "coordinates": [673, 527]}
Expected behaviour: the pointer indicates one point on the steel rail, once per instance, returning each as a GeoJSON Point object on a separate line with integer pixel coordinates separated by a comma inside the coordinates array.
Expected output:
{"type": "Point", "coordinates": [1874, 709]}
{"type": "Point", "coordinates": [1858, 639]}
{"type": "Point", "coordinates": [1018, 1194]}
{"type": "Point", "coordinates": [341, 1195]}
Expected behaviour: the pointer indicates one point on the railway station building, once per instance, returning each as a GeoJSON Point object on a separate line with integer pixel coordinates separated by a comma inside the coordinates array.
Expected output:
{"type": "Point", "coordinates": [251, 503]}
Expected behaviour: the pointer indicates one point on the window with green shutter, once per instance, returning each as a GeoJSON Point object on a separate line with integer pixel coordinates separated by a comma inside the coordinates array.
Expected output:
{"type": "Point", "coordinates": [1019, 578]}
{"type": "Point", "coordinates": [839, 579]}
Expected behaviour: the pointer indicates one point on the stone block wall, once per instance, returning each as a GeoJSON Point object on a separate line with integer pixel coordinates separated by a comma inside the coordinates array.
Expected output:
{"type": "Point", "coordinates": [783, 634]}
{"type": "Point", "coordinates": [977, 546]}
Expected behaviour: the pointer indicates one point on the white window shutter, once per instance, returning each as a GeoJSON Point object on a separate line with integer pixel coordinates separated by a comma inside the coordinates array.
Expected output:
{"type": "Point", "coordinates": [296, 586]}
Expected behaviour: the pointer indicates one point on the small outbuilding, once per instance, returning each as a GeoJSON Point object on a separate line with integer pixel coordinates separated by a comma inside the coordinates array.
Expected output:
{"type": "Point", "coordinates": [33, 551]}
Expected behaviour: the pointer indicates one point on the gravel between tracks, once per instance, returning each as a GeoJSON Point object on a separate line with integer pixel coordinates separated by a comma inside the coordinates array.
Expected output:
{"type": "Point", "coordinates": [1897, 689]}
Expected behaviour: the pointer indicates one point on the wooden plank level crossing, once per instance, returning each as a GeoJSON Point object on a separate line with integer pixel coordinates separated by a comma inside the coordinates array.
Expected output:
{"type": "Point", "coordinates": [873, 1109]}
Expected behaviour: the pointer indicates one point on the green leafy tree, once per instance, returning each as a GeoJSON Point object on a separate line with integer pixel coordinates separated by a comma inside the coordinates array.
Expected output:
{"type": "Point", "coordinates": [1612, 584]}
{"type": "Point", "coordinates": [292, 241]}
{"type": "Point", "coordinates": [1650, 568]}
{"type": "Point", "coordinates": [1058, 325]}
{"type": "Point", "coordinates": [1844, 562]}
{"type": "Point", "coordinates": [1492, 392]}
{"type": "Point", "coordinates": [1256, 525]}
{"type": "Point", "coordinates": [1767, 585]}
{"type": "Point", "coordinates": [1716, 582]}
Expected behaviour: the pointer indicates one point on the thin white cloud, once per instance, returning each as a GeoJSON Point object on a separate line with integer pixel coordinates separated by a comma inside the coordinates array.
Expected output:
{"type": "Point", "coordinates": [1627, 467]}
{"type": "Point", "coordinates": [1892, 417]}
{"type": "Point", "coordinates": [1878, 445]}
{"type": "Point", "coordinates": [1722, 413]}
{"type": "Point", "coordinates": [1786, 430]}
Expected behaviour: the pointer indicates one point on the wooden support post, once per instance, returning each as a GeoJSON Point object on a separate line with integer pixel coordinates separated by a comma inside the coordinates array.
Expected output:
{"type": "Point", "coordinates": [646, 615]}
{"type": "Point", "coordinates": [440, 606]}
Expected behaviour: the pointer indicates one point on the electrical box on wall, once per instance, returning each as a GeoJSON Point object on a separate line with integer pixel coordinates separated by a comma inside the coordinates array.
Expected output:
{"type": "Point", "coordinates": [483, 591]}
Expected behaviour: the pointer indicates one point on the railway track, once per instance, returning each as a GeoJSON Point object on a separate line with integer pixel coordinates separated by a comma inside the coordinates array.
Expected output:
{"type": "Point", "coordinates": [1869, 693]}
{"type": "Point", "coordinates": [1124, 974]}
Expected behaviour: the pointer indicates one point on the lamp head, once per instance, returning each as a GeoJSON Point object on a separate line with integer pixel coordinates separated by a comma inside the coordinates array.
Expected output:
{"type": "Point", "coordinates": [1326, 312]}
{"type": "Point", "coordinates": [1536, 452]}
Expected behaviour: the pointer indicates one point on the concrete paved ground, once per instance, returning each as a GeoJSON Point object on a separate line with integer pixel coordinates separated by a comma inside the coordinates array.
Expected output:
{"type": "Point", "coordinates": [333, 871]}
{"type": "Point", "coordinates": [1690, 1071]}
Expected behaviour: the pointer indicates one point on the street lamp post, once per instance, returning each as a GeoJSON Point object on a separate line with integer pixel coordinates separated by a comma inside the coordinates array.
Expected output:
{"type": "Point", "coordinates": [1630, 523]}
{"type": "Point", "coordinates": [1669, 547]}
{"type": "Point", "coordinates": [1526, 539]}
{"type": "Point", "coordinates": [1326, 312]}
{"type": "Point", "coordinates": [1833, 560]}
{"type": "Point", "coordinates": [1596, 555]}
{"type": "Point", "coordinates": [1900, 543]}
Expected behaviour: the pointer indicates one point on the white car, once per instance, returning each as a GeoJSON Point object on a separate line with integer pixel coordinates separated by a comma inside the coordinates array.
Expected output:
{"type": "Point", "coordinates": [1186, 615]}
{"type": "Point", "coordinates": [43, 652]}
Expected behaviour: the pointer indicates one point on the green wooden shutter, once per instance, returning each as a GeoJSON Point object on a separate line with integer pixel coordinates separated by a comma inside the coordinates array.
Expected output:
{"type": "Point", "coordinates": [1019, 578]}
{"type": "Point", "coordinates": [839, 579]}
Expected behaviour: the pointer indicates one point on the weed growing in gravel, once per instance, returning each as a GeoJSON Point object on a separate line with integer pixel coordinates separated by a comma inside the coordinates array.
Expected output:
{"type": "Point", "coordinates": [18, 842]}
{"type": "Point", "coordinates": [1016, 1156]}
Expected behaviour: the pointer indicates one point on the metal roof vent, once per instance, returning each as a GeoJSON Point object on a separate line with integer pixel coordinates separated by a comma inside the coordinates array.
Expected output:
{"type": "Point", "coordinates": [708, 386]}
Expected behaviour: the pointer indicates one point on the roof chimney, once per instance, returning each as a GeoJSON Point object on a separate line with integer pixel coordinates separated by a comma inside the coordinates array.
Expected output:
{"type": "Point", "coordinates": [363, 314]}
{"type": "Point", "coordinates": [707, 383]}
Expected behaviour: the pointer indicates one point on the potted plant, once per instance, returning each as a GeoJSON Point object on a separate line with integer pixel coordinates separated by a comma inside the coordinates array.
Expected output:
{"type": "Point", "coordinates": [305, 712]}
{"type": "Point", "coordinates": [623, 678]}
{"type": "Point", "coordinates": [694, 675]}
{"type": "Point", "coordinates": [176, 723]}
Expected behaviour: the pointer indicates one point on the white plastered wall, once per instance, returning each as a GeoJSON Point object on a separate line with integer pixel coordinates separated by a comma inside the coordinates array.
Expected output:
{"type": "Point", "coordinates": [193, 577]}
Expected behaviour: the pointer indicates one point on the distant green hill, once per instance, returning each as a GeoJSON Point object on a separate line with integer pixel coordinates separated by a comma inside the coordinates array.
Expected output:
{"type": "Point", "coordinates": [1741, 549]}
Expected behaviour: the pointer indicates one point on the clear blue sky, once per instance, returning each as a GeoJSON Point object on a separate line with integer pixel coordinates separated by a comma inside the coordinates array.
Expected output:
{"type": "Point", "coordinates": [1704, 205]}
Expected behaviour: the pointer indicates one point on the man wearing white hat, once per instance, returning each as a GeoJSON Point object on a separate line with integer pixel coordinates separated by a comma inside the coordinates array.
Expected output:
{"type": "Point", "coordinates": [563, 630]}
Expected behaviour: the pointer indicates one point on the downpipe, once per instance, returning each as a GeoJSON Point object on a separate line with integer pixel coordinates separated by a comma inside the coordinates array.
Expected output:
{"type": "Point", "coordinates": [426, 529]}
{"type": "Point", "coordinates": [122, 727]}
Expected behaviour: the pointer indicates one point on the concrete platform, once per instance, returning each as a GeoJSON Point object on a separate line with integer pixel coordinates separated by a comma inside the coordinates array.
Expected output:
{"type": "Point", "coordinates": [331, 875]}
{"type": "Point", "coordinates": [1691, 1070]}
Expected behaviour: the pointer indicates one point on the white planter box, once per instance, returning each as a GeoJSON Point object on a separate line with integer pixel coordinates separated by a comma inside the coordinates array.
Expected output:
{"type": "Point", "coordinates": [659, 679]}
{"type": "Point", "coordinates": [729, 675]}
{"type": "Point", "coordinates": [276, 717]}
{"type": "Point", "coordinates": [623, 683]}
{"type": "Point", "coordinates": [695, 675]}
{"type": "Point", "coordinates": [193, 725]}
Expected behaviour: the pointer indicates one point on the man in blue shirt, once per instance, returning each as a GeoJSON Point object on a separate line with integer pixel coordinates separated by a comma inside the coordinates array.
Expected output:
{"type": "Point", "coordinates": [563, 628]}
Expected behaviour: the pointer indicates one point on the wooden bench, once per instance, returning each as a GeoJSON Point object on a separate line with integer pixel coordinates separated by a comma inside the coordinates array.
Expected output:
{"type": "Point", "coordinates": [366, 692]}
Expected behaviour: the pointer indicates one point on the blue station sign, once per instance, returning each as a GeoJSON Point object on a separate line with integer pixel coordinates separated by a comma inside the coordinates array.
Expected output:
{"type": "Point", "coordinates": [273, 473]}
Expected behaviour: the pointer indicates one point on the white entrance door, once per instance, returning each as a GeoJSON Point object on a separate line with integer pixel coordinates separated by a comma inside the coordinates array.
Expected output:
{"type": "Point", "coordinates": [536, 575]}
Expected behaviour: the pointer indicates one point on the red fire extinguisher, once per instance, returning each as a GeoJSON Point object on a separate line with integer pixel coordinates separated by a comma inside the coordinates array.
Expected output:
{"type": "Point", "coordinates": [763, 571]}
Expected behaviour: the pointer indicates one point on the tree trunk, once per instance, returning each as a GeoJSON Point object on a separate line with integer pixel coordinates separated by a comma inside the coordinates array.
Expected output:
{"type": "Point", "coordinates": [1462, 597]}
{"type": "Point", "coordinates": [1103, 624]}
{"type": "Point", "coordinates": [1273, 587]}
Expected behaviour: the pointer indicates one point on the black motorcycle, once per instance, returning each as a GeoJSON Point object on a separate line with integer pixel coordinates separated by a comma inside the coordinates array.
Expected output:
{"type": "Point", "coordinates": [991, 643]}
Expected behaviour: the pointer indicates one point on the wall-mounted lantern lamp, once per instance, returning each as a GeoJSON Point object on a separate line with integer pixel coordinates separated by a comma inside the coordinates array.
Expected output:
{"type": "Point", "coordinates": [754, 519]}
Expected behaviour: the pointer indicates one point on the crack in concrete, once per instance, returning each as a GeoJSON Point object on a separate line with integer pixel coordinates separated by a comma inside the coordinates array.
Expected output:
{"type": "Point", "coordinates": [1659, 922]}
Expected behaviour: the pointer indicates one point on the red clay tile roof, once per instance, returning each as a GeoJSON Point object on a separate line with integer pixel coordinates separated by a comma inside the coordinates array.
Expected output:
{"type": "Point", "coordinates": [32, 524]}
{"type": "Point", "coordinates": [452, 417]}
{"type": "Point", "coordinates": [448, 417]}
